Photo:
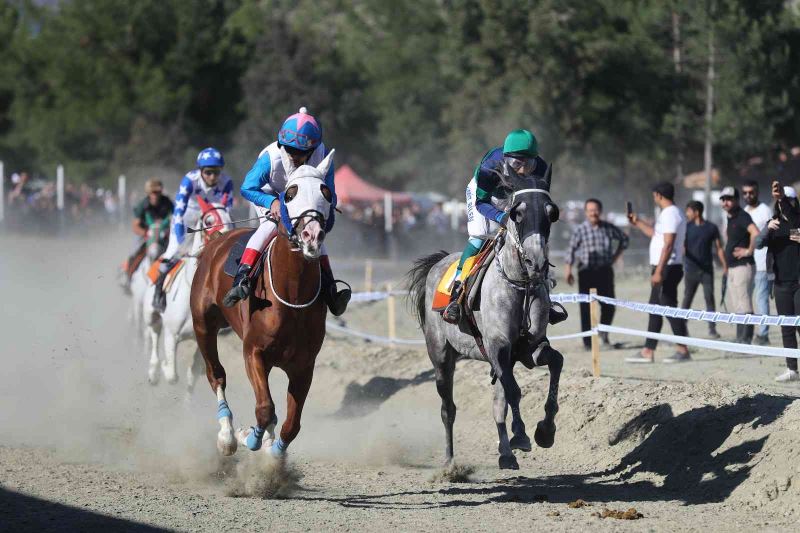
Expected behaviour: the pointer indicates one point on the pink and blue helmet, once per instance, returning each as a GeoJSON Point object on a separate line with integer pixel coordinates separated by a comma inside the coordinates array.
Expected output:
{"type": "Point", "coordinates": [300, 131]}
{"type": "Point", "coordinates": [210, 157]}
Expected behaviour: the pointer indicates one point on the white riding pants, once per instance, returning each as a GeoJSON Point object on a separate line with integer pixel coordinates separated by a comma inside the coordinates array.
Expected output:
{"type": "Point", "coordinates": [477, 225]}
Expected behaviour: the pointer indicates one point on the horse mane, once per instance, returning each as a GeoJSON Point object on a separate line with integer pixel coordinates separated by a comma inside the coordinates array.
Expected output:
{"type": "Point", "coordinates": [415, 280]}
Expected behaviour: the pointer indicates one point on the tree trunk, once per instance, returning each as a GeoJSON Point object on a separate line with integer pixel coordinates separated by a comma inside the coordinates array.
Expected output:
{"type": "Point", "coordinates": [709, 112]}
{"type": "Point", "coordinates": [677, 60]}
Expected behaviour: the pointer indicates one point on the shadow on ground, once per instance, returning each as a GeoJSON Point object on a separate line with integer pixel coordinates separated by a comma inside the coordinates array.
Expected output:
{"type": "Point", "coordinates": [21, 513]}
{"type": "Point", "coordinates": [679, 450]}
{"type": "Point", "coordinates": [361, 400]}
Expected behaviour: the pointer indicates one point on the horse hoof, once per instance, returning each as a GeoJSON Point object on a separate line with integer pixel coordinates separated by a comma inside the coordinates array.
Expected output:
{"type": "Point", "coordinates": [248, 439]}
{"type": "Point", "coordinates": [152, 378]}
{"type": "Point", "coordinates": [521, 442]}
{"type": "Point", "coordinates": [545, 434]}
{"type": "Point", "coordinates": [508, 462]}
{"type": "Point", "coordinates": [226, 443]}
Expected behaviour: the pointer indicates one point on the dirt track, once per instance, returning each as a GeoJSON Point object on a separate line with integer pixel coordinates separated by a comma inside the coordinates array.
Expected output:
{"type": "Point", "coordinates": [85, 444]}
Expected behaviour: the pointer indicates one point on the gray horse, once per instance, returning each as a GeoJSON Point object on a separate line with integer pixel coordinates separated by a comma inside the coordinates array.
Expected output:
{"type": "Point", "coordinates": [519, 269]}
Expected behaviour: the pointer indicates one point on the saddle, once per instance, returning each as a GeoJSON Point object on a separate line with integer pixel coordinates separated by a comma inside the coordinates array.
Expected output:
{"type": "Point", "coordinates": [231, 265]}
{"type": "Point", "coordinates": [130, 264]}
{"type": "Point", "coordinates": [153, 273]}
{"type": "Point", "coordinates": [471, 277]}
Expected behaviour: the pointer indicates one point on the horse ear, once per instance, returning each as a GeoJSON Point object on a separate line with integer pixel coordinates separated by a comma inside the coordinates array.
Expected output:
{"type": "Point", "coordinates": [326, 163]}
{"type": "Point", "coordinates": [224, 200]}
{"type": "Point", "coordinates": [203, 204]}
{"type": "Point", "coordinates": [548, 176]}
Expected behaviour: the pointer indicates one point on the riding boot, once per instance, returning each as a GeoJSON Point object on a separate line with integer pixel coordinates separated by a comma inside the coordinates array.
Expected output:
{"type": "Point", "coordinates": [159, 298]}
{"type": "Point", "coordinates": [452, 313]}
{"type": "Point", "coordinates": [127, 276]}
{"type": "Point", "coordinates": [241, 286]}
{"type": "Point", "coordinates": [336, 300]}
{"type": "Point", "coordinates": [557, 315]}
{"type": "Point", "coordinates": [747, 333]}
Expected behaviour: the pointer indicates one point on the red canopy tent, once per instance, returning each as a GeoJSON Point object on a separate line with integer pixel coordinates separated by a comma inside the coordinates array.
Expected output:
{"type": "Point", "coordinates": [353, 189]}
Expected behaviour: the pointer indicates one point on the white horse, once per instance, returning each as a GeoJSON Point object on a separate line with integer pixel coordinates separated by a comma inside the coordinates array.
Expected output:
{"type": "Point", "coordinates": [176, 320]}
{"type": "Point", "coordinates": [155, 244]}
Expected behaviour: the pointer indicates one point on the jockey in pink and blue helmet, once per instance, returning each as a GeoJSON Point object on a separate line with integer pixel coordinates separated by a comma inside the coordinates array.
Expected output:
{"type": "Point", "coordinates": [299, 143]}
{"type": "Point", "coordinates": [300, 131]}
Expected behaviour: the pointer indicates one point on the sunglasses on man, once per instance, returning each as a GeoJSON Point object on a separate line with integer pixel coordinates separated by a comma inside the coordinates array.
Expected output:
{"type": "Point", "coordinates": [212, 171]}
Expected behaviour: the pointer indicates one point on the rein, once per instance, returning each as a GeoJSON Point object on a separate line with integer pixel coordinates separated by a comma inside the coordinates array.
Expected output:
{"type": "Point", "coordinates": [272, 286]}
{"type": "Point", "coordinates": [529, 283]}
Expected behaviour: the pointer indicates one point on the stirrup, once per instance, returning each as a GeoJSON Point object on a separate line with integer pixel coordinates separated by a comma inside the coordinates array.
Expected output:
{"type": "Point", "coordinates": [240, 289]}
{"type": "Point", "coordinates": [556, 315]}
{"type": "Point", "coordinates": [337, 300]}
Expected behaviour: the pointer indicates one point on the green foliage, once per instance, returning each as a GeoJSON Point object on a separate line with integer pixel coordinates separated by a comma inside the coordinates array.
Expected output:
{"type": "Point", "coordinates": [411, 93]}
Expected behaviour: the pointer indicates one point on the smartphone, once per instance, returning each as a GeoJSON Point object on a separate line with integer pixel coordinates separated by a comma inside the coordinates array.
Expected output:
{"type": "Point", "coordinates": [629, 207]}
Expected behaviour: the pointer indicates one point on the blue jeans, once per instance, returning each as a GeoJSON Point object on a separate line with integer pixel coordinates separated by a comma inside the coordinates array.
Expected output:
{"type": "Point", "coordinates": [761, 298]}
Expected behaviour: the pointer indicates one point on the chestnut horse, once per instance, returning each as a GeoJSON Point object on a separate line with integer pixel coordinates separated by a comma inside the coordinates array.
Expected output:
{"type": "Point", "coordinates": [281, 324]}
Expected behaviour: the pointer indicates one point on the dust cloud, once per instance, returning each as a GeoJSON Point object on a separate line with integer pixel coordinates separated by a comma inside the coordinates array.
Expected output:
{"type": "Point", "coordinates": [76, 376]}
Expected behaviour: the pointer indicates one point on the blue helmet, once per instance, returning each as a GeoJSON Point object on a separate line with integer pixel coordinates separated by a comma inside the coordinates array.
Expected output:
{"type": "Point", "coordinates": [300, 131]}
{"type": "Point", "coordinates": [210, 157]}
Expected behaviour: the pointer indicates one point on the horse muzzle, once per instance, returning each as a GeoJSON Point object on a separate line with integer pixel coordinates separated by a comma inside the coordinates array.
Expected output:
{"type": "Point", "coordinates": [311, 238]}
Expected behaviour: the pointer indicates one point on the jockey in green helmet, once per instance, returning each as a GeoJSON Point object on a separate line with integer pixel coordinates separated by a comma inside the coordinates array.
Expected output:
{"type": "Point", "coordinates": [519, 157]}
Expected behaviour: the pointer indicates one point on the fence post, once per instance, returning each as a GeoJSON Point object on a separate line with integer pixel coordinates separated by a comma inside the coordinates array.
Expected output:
{"type": "Point", "coordinates": [390, 313]}
{"type": "Point", "coordinates": [122, 195]}
{"type": "Point", "coordinates": [60, 187]}
{"type": "Point", "coordinates": [2, 191]}
{"type": "Point", "coordinates": [368, 275]}
{"type": "Point", "coordinates": [594, 313]}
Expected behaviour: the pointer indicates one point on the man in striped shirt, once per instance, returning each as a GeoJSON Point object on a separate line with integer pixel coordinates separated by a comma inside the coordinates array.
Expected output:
{"type": "Point", "coordinates": [595, 245]}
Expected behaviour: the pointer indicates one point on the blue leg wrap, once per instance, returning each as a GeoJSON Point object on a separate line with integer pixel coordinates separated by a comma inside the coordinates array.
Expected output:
{"type": "Point", "coordinates": [278, 447]}
{"type": "Point", "coordinates": [223, 410]}
{"type": "Point", "coordinates": [254, 438]}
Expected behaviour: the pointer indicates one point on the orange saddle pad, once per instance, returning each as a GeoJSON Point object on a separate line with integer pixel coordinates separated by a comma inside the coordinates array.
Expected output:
{"type": "Point", "coordinates": [442, 296]}
{"type": "Point", "coordinates": [153, 273]}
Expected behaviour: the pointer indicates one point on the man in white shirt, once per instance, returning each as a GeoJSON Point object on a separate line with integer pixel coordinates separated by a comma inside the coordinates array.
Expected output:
{"type": "Point", "coordinates": [666, 261]}
{"type": "Point", "coordinates": [761, 215]}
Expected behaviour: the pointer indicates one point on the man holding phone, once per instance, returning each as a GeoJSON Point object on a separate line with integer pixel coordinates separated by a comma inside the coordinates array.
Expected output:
{"type": "Point", "coordinates": [666, 261]}
{"type": "Point", "coordinates": [781, 239]}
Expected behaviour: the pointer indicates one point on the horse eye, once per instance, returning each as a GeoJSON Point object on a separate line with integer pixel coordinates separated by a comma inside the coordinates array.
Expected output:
{"type": "Point", "coordinates": [326, 192]}
{"type": "Point", "coordinates": [209, 220]}
{"type": "Point", "coordinates": [291, 192]}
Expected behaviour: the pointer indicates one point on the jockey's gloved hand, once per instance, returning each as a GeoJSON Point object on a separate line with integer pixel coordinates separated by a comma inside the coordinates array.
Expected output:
{"type": "Point", "coordinates": [501, 219]}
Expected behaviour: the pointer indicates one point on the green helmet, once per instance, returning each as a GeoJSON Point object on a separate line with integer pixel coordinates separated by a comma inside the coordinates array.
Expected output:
{"type": "Point", "coordinates": [521, 142]}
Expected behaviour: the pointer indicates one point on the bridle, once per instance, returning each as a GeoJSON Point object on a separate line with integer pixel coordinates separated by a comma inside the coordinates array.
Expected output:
{"type": "Point", "coordinates": [294, 222]}
{"type": "Point", "coordinates": [529, 282]}
{"type": "Point", "coordinates": [212, 209]}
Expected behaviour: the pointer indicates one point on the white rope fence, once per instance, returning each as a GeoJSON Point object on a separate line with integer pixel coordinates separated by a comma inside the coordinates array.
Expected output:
{"type": "Point", "coordinates": [593, 299]}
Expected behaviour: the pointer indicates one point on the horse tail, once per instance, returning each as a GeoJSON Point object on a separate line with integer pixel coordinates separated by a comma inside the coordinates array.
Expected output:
{"type": "Point", "coordinates": [415, 279]}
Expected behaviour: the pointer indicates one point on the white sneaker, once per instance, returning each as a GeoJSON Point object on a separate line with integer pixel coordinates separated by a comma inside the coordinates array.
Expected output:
{"type": "Point", "coordinates": [789, 375]}
{"type": "Point", "coordinates": [639, 359]}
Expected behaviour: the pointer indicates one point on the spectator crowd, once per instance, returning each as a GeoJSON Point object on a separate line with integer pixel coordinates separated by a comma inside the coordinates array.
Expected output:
{"type": "Point", "coordinates": [758, 251]}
